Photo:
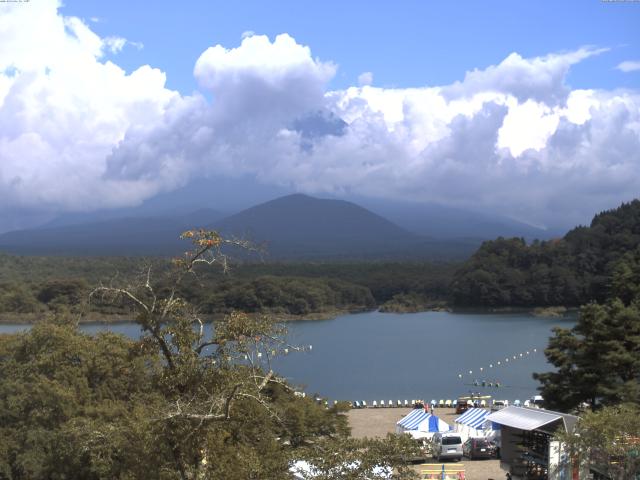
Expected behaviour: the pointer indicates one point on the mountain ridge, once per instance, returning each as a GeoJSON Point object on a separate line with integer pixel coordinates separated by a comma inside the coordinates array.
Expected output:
{"type": "Point", "coordinates": [295, 227]}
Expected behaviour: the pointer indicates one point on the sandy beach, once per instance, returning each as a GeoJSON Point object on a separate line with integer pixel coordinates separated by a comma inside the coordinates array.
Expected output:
{"type": "Point", "coordinates": [377, 422]}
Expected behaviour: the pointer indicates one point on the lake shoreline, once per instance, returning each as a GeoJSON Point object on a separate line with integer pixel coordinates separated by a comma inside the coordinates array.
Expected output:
{"type": "Point", "coordinates": [114, 319]}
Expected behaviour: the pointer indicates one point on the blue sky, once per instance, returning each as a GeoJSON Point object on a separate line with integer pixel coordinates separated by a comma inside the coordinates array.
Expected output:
{"type": "Point", "coordinates": [529, 110]}
{"type": "Point", "coordinates": [404, 44]}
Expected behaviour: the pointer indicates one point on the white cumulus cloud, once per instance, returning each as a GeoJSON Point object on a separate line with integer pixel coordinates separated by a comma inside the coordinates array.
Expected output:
{"type": "Point", "coordinates": [77, 132]}
{"type": "Point", "coordinates": [63, 110]}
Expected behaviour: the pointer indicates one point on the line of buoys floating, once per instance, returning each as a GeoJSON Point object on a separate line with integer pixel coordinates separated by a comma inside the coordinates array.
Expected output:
{"type": "Point", "coordinates": [506, 360]}
{"type": "Point", "coordinates": [285, 351]}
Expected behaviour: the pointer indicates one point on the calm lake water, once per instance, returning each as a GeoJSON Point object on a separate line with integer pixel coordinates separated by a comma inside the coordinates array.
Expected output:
{"type": "Point", "coordinates": [383, 356]}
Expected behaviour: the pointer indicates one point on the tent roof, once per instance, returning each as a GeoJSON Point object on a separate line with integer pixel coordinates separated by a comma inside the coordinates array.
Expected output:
{"type": "Point", "coordinates": [474, 417]}
{"type": "Point", "coordinates": [530, 418]}
{"type": "Point", "coordinates": [415, 418]}
{"type": "Point", "coordinates": [418, 416]}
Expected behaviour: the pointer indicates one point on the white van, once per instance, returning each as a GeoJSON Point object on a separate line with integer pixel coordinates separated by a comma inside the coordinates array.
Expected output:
{"type": "Point", "coordinates": [447, 445]}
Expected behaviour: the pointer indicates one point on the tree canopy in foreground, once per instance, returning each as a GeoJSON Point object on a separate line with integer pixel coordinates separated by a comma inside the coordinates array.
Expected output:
{"type": "Point", "coordinates": [609, 439]}
{"type": "Point", "coordinates": [183, 402]}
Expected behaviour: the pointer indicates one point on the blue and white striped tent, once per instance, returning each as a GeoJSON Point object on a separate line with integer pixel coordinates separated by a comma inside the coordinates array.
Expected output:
{"type": "Point", "coordinates": [473, 423]}
{"type": "Point", "coordinates": [421, 421]}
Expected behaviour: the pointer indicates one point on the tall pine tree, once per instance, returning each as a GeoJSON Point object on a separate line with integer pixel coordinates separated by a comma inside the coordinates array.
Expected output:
{"type": "Point", "coordinates": [598, 360]}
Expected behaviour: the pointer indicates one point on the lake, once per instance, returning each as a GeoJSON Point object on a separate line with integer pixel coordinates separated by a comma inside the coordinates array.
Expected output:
{"type": "Point", "coordinates": [388, 356]}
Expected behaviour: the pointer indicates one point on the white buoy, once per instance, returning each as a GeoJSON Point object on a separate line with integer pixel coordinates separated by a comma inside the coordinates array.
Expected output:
{"type": "Point", "coordinates": [481, 369]}
{"type": "Point", "coordinates": [506, 359]}
{"type": "Point", "coordinates": [310, 347]}
{"type": "Point", "coordinates": [470, 372]}
{"type": "Point", "coordinates": [286, 351]}
{"type": "Point", "coordinates": [498, 363]}
{"type": "Point", "coordinates": [527, 352]}
{"type": "Point", "coordinates": [459, 375]}
{"type": "Point", "coordinates": [534, 350]}
{"type": "Point", "coordinates": [259, 354]}
{"type": "Point", "coordinates": [514, 357]}
{"type": "Point", "coordinates": [521, 355]}
{"type": "Point", "coordinates": [491, 365]}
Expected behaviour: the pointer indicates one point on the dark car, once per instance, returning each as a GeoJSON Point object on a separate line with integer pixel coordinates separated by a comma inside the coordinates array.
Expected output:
{"type": "Point", "coordinates": [475, 448]}
{"type": "Point", "coordinates": [463, 403]}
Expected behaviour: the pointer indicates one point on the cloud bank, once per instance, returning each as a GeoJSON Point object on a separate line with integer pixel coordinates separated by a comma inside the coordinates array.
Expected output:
{"type": "Point", "coordinates": [78, 133]}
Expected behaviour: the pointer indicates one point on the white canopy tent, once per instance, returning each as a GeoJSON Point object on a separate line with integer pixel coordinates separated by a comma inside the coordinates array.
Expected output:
{"type": "Point", "coordinates": [420, 424]}
{"type": "Point", "coordinates": [473, 423]}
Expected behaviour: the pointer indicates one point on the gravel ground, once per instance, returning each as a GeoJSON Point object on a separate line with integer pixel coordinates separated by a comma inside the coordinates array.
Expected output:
{"type": "Point", "coordinates": [377, 422]}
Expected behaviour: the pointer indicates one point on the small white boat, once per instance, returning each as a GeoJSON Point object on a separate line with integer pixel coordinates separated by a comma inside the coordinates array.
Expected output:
{"type": "Point", "coordinates": [399, 404]}
{"type": "Point", "coordinates": [447, 403]}
{"type": "Point", "coordinates": [375, 404]}
{"type": "Point", "coordinates": [382, 405]}
{"type": "Point", "coordinates": [391, 404]}
{"type": "Point", "coordinates": [364, 404]}
{"type": "Point", "coordinates": [406, 403]}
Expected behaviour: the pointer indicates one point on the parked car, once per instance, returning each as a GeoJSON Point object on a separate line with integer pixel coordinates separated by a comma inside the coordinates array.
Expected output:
{"type": "Point", "coordinates": [447, 446]}
{"type": "Point", "coordinates": [463, 404]}
{"type": "Point", "coordinates": [498, 404]}
{"type": "Point", "coordinates": [475, 448]}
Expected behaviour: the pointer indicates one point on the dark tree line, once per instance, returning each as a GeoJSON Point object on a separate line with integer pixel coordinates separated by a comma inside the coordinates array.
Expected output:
{"type": "Point", "coordinates": [570, 271]}
{"type": "Point", "coordinates": [36, 285]}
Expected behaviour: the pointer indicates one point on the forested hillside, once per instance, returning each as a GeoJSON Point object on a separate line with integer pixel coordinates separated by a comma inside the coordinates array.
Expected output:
{"type": "Point", "coordinates": [30, 286]}
{"type": "Point", "coordinates": [571, 271]}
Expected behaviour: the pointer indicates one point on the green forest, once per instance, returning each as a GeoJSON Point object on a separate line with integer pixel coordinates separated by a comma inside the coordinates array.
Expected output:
{"type": "Point", "coordinates": [579, 268]}
{"type": "Point", "coordinates": [571, 271]}
{"type": "Point", "coordinates": [30, 286]}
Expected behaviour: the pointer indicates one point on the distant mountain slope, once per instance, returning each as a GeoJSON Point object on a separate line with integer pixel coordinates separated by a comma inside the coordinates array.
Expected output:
{"type": "Point", "coordinates": [299, 226]}
{"type": "Point", "coordinates": [121, 236]}
{"type": "Point", "coordinates": [294, 227]}
{"type": "Point", "coordinates": [439, 221]}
